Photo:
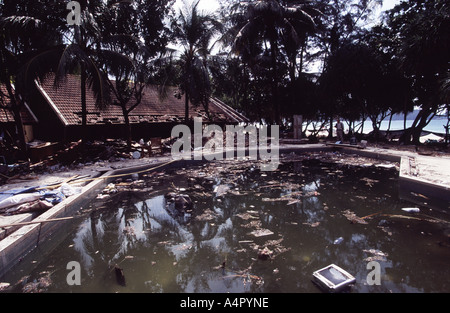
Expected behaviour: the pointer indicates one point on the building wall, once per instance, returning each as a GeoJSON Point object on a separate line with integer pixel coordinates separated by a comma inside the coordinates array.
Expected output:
{"type": "Point", "coordinates": [49, 128]}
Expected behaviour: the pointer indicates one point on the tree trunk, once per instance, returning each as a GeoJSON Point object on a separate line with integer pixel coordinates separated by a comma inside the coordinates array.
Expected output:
{"type": "Point", "coordinates": [448, 125]}
{"type": "Point", "coordinates": [186, 107]}
{"type": "Point", "coordinates": [404, 120]}
{"type": "Point", "coordinates": [412, 134]}
{"type": "Point", "coordinates": [83, 104]}
{"type": "Point", "coordinates": [273, 54]}
{"type": "Point", "coordinates": [389, 125]}
{"type": "Point", "coordinates": [376, 128]}
{"type": "Point", "coordinates": [330, 133]}
{"type": "Point", "coordinates": [127, 127]}
{"type": "Point", "coordinates": [302, 50]}
{"type": "Point", "coordinates": [15, 108]}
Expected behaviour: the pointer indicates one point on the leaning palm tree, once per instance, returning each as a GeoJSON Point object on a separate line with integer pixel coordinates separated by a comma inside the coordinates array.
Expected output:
{"type": "Point", "coordinates": [20, 34]}
{"type": "Point", "coordinates": [76, 53]}
{"type": "Point", "coordinates": [195, 31]}
{"type": "Point", "coordinates": [268, 22]}
{"type": "Point", "coordinates": [8, 66]}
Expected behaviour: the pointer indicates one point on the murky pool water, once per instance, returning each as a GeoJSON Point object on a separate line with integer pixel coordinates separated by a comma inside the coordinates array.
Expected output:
{"type": "Point", "coordinates": [250, 231]}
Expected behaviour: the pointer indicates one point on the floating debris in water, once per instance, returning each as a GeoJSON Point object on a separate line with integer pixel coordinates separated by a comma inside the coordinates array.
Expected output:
{"type": "Point", "coordinates": [4, 286]}
{"type": "Point", "coordinates": [265, 253]}
{"type": "Point", "coordinates": [221, 190]}
{"type": "Point", "coordinates": [411, 210]}
{"type": "Point", "coordinates": [208, 215]}
{"type": "Point", "coordinates": [370, 182]}
{"type": "Point", "coordinates": [39, 285]}
{"type": "Point", "coordinates": [261, 232]}
{"type": "Point", "coordinates": [351, 216]}
{"type": "Point", "coordinates": [377, 255]}
{"type": "Point", "coordinates": [247, 215]}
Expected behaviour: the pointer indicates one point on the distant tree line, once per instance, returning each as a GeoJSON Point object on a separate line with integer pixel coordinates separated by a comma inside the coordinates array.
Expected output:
{"type": "Point", "coordinates": [270, 59]}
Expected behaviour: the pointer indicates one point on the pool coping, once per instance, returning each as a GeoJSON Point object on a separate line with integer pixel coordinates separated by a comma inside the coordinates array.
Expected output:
{"type": "Point", "coordinates": [26, 239]}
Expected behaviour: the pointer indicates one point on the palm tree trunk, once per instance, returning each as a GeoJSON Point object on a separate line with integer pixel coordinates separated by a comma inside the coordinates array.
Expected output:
{"type": "Point", "coordinates": [15, 107]}
{"type": "Point", "coordinates": [127, 127]}
{"type": "Point", "coordinates": [186, 107]}
{"type": "Point", "coordinates": [389, 125]}
{"type": "Point", "coordinates": [330, 132]}
{"type": "Point", "coordinates": [83, 104]}
{"type": "Point", "coordinates": [302, 50]}
{"type": "Point", "coordinates": [273, 52]}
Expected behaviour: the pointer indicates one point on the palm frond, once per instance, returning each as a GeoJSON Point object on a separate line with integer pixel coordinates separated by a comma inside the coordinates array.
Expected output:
{"type": "Point", "coordinates": [38, 65]}
{"type": "Point", "coordinates": [21, 23]}
{"type": "Point", "coordinates": [98, 82]}
{"type": "Point", "coordinates": [70, 58]}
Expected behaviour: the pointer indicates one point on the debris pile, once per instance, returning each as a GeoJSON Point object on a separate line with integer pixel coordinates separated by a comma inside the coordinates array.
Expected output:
{"type": "Point", "coordinates": [74, 154]}
{"type": "Point", "coordinates": [24, 204]}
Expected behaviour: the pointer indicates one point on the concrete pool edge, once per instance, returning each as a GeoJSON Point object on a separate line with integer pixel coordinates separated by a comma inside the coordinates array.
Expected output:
{"type": "Point", "coordinates": [27, 238]}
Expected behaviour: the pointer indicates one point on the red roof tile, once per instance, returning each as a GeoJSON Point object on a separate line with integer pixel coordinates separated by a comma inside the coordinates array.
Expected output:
{"type": "Point", "coordinates": [6, 115]}
{"type": "Point", "coordinates": [66, 102]}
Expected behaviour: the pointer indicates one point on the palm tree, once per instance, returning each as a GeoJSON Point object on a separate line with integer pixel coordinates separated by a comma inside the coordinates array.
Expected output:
{"type": "Point", "coordinates": [19, 34]}
{"type": "Point", "coordinates": [195, 31]}
{"type": "Point", "coordinates": [267, 22]}
{"type": "Point", "coordinates": [76, 53]}
{"type": "Point", "coordinates": [8, 63]}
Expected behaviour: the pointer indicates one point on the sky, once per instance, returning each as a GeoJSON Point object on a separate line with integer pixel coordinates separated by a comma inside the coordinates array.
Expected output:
{"type": "Point", "coordinates": [213, 5]}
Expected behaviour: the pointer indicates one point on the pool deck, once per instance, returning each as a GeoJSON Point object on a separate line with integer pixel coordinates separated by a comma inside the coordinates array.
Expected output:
{"type": "Point", "coordinates": [427, 175]}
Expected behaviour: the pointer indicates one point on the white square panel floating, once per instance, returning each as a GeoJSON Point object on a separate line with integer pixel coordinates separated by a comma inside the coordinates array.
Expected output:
{"type": "Point", "coordinates": [332, 278]}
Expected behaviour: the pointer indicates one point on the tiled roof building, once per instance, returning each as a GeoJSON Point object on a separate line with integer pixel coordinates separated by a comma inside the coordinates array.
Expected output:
{"type": "Point", "coordinates": [66, 102]}
{"type": "Point", "coordinates": [59, 109]}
